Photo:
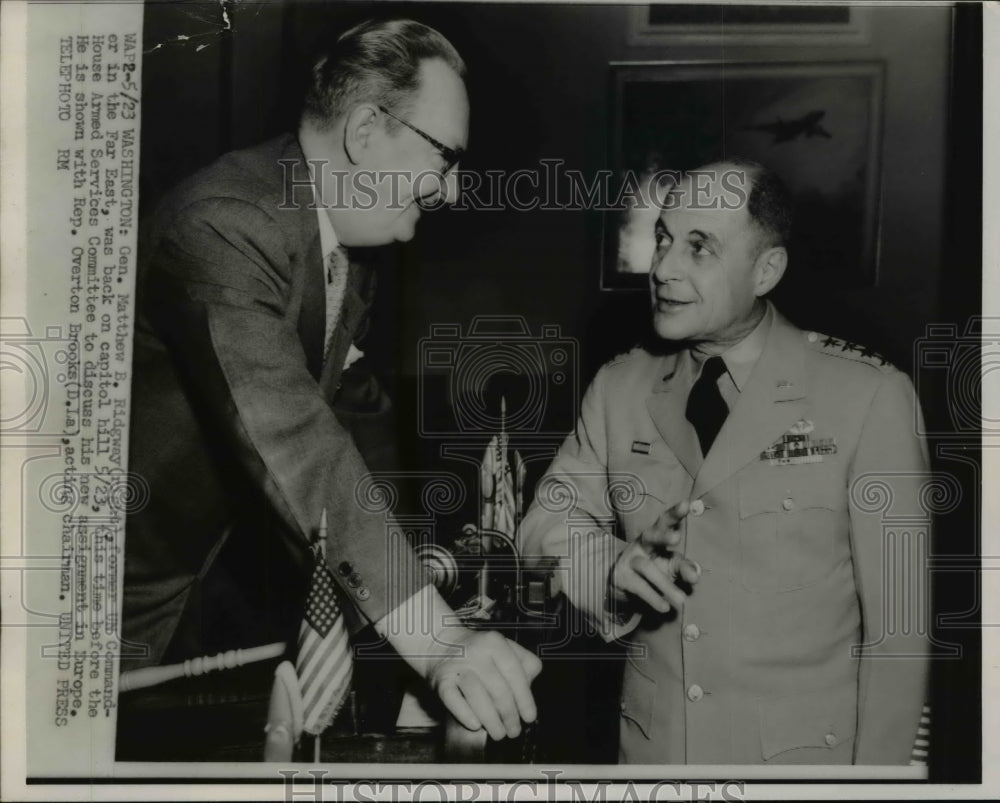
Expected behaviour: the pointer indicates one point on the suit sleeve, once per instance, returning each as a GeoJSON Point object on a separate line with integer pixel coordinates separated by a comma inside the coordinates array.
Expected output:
{"type": "Point", "coordinates": [568, 531]}
{"type": "Point", "coordinates": [890, 531]}
{"type": "Point", "coordinates": [219, 287]}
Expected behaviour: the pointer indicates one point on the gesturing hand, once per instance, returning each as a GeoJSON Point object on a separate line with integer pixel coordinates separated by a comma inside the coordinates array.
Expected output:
{"type": "Point", "coordinates": [648, 569]}
{"type": "Point", "coordinates": [484, 680]}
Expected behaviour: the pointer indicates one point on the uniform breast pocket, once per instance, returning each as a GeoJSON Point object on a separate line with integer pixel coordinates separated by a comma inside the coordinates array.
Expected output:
{"type": "Point", "coordinates": [793, 525]}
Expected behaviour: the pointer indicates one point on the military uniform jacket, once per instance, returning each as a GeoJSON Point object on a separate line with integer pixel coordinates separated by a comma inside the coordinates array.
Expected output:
{"type": "Point", "coordinates": [790, 523]}
{"type": "Point", "coordinates": [237, 423]}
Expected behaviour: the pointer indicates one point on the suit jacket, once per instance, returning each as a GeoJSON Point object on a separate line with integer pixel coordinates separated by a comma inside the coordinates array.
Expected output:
{"type": "Point", "coordinates": [237, 426]}
{"type": "Point", "coordinates": [792, 522]}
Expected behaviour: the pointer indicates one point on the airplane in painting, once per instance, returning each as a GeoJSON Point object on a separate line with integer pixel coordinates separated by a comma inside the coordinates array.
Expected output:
{"type": "Point", "coordinates": [787, 130]}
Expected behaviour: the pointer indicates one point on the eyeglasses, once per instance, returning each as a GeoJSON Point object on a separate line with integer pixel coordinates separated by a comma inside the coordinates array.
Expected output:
{"type": "Point", "coordinates": [450, 155]}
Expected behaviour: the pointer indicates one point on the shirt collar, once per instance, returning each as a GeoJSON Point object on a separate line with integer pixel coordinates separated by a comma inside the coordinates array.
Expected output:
{"type": "Point", "coordinates": [328, 239]}
{"type": "Point", "coordinates": [327, 236]}
{"type": "Point", "coordinates": [741, 358]}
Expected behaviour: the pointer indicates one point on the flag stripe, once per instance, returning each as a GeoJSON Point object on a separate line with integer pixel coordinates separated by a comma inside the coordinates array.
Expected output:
{"type": "Point", "coordinates": [328, 703]}
{"type": "Point", "coordinates": [310, 643]}
{"type": "Point", "coordinates": [328, 680]}
{"type": "Point", "coordinates": [921, 744]}
{"type": "Point", "coordinates": [325, 652]}
{"type": "Point", "coordinates": [329, 662]}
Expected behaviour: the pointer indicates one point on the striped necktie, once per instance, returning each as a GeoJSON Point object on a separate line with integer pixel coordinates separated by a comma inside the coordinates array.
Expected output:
{"type": "Point", "coordinates": [323, 663]}
{"type": "Point", "coordinates": [335, 268]}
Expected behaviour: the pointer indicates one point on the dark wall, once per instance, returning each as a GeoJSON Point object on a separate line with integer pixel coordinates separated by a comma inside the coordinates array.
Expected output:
{"type": "Point", "coordinates": [539, 84]}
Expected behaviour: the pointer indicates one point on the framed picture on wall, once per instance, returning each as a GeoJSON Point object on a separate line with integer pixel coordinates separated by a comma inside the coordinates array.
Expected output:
{"type": "Point", "coordinates": [799, 24]}
{"type": "Point", "coordinates": [818, 125]}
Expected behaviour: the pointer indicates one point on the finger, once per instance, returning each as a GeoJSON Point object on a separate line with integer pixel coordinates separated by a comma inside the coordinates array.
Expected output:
{"type": "Point", "coordinates": [494, 677]}
{"type": "Point", "coordinates": [689, 570]}
{"type": "Point", "coordinates": [645, 592]}
{"type": "Point", "coordinates": [634, 583]}
{"type": "Point", "coordinates": [457, 705]}
{"type": "Point", "coordinates": [665, 532]}
{"type": "Point", "coordinates": [532, 663]}
{"type": "Point", "coordinates": [678, 567]}
{"type": "Point", "coordinates": [680, 511]}
{"type": "Point", "coordinates": [481, 702]}
{"type": "Point", "coordinates": [661, 582]}
{"type": "Point", "coordinates": [658, 539]}
{"type": "Point", "coordinates": [511, 664]}
{"type": "Point", "coordinates": [673, 516]}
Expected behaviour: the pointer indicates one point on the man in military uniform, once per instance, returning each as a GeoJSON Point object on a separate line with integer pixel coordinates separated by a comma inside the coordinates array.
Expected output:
{"type": "Point", "coordinates": [716, 509]}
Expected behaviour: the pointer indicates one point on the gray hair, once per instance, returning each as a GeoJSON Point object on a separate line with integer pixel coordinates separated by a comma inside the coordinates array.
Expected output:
{"type": "Point", "coordinates": [769, 203]}
{"type": "Point", "coordinates": [377, 61]}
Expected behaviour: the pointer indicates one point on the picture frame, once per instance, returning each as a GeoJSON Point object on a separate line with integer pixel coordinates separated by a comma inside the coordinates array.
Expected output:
{"type": "Point", "coordinates": [790, 24]}
{"type": "Point", "coordinates": [818, 125]}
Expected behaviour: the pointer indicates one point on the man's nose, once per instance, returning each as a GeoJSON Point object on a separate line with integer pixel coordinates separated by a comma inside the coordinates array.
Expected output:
{"type": "Point", "coordinates": [450, 190]}
{"type": "Point", "coordinates": [666, 266]}
{"type": "Point", "coordinates": [438, 191]}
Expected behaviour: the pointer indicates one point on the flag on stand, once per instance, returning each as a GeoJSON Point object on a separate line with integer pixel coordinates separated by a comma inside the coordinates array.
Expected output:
{"type": "Point", "coordinates": [323, 664]}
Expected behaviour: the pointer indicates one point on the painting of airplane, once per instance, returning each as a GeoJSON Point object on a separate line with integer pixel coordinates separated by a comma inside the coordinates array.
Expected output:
{"type": "Point", "coordinates": [817, 125]}
{"type": "Point", "coordinates": [786, 130]}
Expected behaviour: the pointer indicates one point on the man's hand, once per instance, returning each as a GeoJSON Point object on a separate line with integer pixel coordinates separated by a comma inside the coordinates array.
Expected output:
{"type": "Point", "coordinates": [484, 680]}
{"type": "Point", "coordinates": [647, 568]}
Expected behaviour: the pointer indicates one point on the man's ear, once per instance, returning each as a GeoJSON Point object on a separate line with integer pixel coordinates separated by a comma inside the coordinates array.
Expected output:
{"type": "Point", "coordinates": [769, 267]}
{"type": "Point", "coordinates": [360, 126]}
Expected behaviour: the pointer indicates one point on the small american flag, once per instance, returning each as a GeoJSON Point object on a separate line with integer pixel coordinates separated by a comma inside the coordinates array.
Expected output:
{"type": "Point", "coordinates": [922, 743]}
{"type": "Point", "coordinates": [323, 663]}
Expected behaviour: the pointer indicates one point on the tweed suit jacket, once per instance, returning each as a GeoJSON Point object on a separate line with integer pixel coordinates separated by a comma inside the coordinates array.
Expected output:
{"type": "Point", "coordinates": [237, 423]}
{"type": "Point", "coordinates": [794, 645]}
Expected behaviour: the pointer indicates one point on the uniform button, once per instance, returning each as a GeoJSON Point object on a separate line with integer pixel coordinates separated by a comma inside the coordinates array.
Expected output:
{"type": "Point", "coordinates": [830, 739]}
{"type": "Point", "coordinates": [695, 693]}
{"type": "Point", "coordinates": [812, 337]}
{"type": "Point", "coordinates": [363, 593]}
{"type": "Point", "coordinates": [788, 503]}
{"type": "Point", "coordinates": [692, 633]}
{"type": "Point", "coordinates": [354, 580]}
{"type": "Point", "coordinates": [345, 568]}
{"type": "Point", "coordinates": [697, 507]}
{"type": "Point", "coordinates": [622, 706]}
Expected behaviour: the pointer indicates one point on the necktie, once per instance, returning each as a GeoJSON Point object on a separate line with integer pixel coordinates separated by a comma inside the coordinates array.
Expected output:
{"type": "Point", "coordinates": [706, 409]}
{"type": "Point", "coordinates": [323, 663]}
{"type": "Point", "coordinates": [336, 267]}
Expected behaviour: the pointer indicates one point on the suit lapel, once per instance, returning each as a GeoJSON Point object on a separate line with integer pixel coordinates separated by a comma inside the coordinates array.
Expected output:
{"type": "Point", "coordinates": [774, 398]}
{"type": "Point", "coordinates": [312, 316]}
{"type": "Point", "coordinates": [293, 200]}
{"type": "Point", "coordinates": [667, 406]}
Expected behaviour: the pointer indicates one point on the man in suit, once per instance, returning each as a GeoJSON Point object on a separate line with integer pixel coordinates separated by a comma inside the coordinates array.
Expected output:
{"type": "Point", "coordinates": [244, 415]}
{"type": "Point", "coordinates": [714, 509]}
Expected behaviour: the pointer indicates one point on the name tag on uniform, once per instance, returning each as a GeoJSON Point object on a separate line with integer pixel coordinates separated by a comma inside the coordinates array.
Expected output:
{"type": "Point", "coordinates": [641, 447]}
{"type": "Point", "coordinates": [797, 446]}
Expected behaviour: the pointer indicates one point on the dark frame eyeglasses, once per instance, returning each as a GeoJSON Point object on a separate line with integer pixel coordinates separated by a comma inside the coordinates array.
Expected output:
{"type": "Point", "coordinates": [451, 155]}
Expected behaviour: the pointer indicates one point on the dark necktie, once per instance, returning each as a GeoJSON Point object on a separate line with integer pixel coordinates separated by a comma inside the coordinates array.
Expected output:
{"type": "Point", "coordinates": [706, 409]}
